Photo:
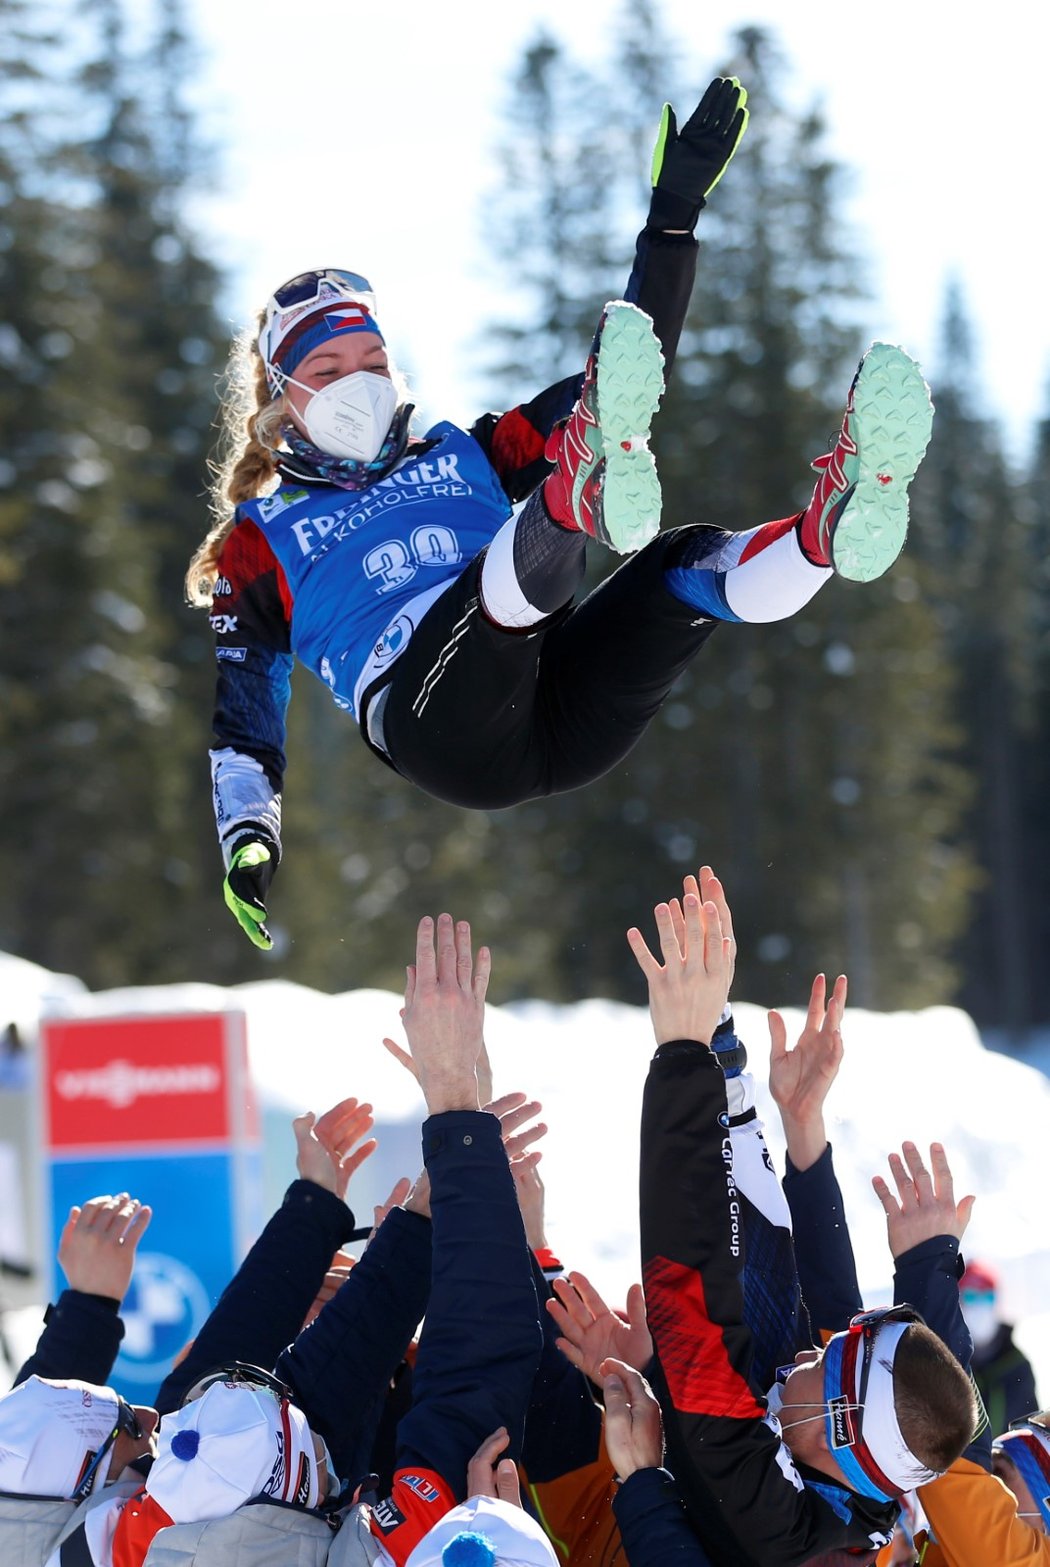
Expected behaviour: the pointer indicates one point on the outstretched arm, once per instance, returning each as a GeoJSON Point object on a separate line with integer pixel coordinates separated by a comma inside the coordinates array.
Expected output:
{"type": "Point", "coordinates": [264, 1305]}
{"type": "Point", "coordinates": [799, 1082]}
{"type": "Point", "coordinates": [737, 1479]}
{"type": "Point", "coordinates": [83, 1330]}
{"type": "Point", "coordinates": [648, 1508]}
{"type": "Point", "coordinates": [250, 616]}
{"type": "Point", "coordinates": [687, 165]}
{"type": "Point", "coordinates": [800, 1079]}
{"type": "Point", "coordinates": [480, 1343]}
{"type": "Point", "coordinates": [925, 1224]}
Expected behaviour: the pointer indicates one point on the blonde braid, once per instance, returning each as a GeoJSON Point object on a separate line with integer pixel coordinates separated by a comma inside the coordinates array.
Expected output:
{"type": "Point", "coordinates": [241, 471]}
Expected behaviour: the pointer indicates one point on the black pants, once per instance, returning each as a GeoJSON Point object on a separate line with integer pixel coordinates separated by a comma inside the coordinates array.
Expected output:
{"type": "Point", "coordinates": [486, 718]}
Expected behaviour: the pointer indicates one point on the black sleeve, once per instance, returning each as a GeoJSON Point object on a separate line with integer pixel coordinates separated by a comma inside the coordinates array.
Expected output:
{"type": "Point", "coordinates": [927, 1277]}
{"type": "Point", "coordinates": [827, 1268]}
{"type": "Point", "coordinates": [480, 1344]}
{"type": "Point", "coordinates": [263, 1306]}
{"type": "Point", "coordinates": [80, 1340]}
{"type": "Point", "coordinates": [653, 1523]}
{"type": "Point", "coordinates": [563, 1428]}
{"type": "Point", "coordinates": [660, 283]}
{"type": "Point", "coordinates": [341, 1366]}
{"type": "Point", "coordinates": [251, 619]}
{"type": "Point", "coordinates": [743, 1494]}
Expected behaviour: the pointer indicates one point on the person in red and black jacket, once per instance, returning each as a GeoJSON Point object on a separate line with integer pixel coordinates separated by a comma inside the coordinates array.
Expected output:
{"type": "Point", "coordinates": [820, 1478]}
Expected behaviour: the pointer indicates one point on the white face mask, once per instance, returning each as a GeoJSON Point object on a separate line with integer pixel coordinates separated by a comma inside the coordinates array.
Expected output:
{"type": "Point", "coordinates": [982, 1319]}
{"type": "Point", "coordinates": [350, 417]}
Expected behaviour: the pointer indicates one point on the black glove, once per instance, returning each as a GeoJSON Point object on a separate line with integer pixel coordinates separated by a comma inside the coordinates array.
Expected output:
{"type": "Point", "coordinates": [688, 163]}
{"type": "Point", "coordinates": [251, 871]}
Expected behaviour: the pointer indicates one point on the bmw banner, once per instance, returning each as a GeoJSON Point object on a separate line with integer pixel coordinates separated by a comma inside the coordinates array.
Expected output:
{"type": "Point", "coordinates": [161, 1107]}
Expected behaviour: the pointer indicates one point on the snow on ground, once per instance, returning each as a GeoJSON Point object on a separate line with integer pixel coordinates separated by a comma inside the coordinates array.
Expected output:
{"type": "Point", "coordinates": [923, 1075]}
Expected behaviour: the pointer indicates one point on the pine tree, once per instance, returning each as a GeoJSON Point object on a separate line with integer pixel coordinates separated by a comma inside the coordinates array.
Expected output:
{"type": "Point", "coordinates": [975, 549]}
{"type": "Point", "coordinates": [811, 761]}
{"type": "Point", "coordinates": [118, 342]}
{"type": "Point", "coordinates": [1035, 753]}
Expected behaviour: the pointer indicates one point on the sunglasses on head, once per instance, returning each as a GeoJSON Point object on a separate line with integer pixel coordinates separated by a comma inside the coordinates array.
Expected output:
{"type": "Point", "coordinates": [243, 1374]}
{"type": "Point", "coordinates": [865, 1321]}
{"type": "Point", "coordinates": [868, 1323]}
{"type": "Point", "coordinates": [127, 1423]}
{"type": "Point", "coordinates": [304, 288]}
{"type": "Point", "coordinates": [845, 1418]}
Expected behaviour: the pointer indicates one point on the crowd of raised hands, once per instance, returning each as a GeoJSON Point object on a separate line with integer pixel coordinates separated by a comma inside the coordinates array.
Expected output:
{"type": "Point", "coordinates": [453, 1394]}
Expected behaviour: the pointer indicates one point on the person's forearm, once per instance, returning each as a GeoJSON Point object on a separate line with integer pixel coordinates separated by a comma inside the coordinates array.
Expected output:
{"type": "Point", "coordinates": [827, 1269]}
{"type": "Point", "coordinates": [264, 1305]}
{"type": "Point", "coordinates": [653, 1523]}
{"type": "Point", "coordinates": [563, 1431]}
{"type": "Point", "coordinates": [661, 284]}
{"type": "Point", "coordinates": [80, 1340]}
{"type": "Point", "coordinates": [927, 1277]}
{"type": "Point", "coordinates": [805, 1141]}
{"type": "Point", "coordinates": [341, 1365]}
{"type": "Point", "coordinates": [481, 1339]}
{"type": "Point", "coordinates": [718, 1444]}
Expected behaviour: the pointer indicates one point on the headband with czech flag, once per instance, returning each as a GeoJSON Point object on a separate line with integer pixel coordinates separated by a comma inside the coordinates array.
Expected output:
{"type": "Point", "coordinates": [308, 310]}
{"type": "Point", "coordinates": [863, 1435]}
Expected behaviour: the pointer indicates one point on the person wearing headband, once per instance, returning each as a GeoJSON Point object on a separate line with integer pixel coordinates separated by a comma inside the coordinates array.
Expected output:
{"type": "Point", "coordinates": [429, 581]}
{"type": "Point", "coordinates": [820, 1466]}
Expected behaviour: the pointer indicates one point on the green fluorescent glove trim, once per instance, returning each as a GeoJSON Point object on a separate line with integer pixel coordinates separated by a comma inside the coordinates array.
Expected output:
{"type": "Point", "coordinates": [743, 127]}
{"type": "Point", "coordinates": [250, 920]}
{"type": "Point", "coordinates": [666, 117]}
{"type": "Point", "coordinates": [251, 855]}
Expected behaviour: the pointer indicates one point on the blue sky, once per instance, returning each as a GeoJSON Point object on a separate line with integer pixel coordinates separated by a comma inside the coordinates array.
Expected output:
{"type": "Point", "coordinates": [362, 137]}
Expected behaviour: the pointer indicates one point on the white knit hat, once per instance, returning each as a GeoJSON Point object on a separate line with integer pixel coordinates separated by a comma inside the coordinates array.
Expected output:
{"type": "Point", "coordinates": [516, 1539]}
{"type": "Point", "coordinates": [49, 1434]}
{"type": "Point", "coordinates": [232, 1443]}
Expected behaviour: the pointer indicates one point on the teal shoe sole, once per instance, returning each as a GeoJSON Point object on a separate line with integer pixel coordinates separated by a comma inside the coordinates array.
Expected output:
{"type": "Point", "coordinates": [630, 383]}
{"type": "Point", "coordinates": [891, 424]}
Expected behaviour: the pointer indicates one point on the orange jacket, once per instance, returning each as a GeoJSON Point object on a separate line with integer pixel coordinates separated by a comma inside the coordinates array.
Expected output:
{"type": "Point", "coordinates": [576, 1512]}
{"type": "Point", "coordinates": [974, 1523]}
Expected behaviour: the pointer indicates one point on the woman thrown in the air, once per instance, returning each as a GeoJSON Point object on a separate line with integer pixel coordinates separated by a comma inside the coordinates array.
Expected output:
{"type": "Point", "coordinates": [429, 580]}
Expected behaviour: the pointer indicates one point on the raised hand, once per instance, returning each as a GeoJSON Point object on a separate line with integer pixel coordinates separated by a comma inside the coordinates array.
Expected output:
{"type": "Point", "coordinates": [634, 1431]}
{"type": "Point", "coordinates": [532, 1197]}
{"type": "Point", "coordinates": [708, 889]}
{"type": "Point", "coordinates": [398, 1197]}
{"type": "Point", "coordinates": [325, 1152]}
{"type": "Point", "coordinates": [515, 1113]}
{"type": "Point", "coordinates": [799, 1079]}
{"type": "Point", "coordinates": [97, 1248]}
{"type": "Point", "coordinates": [490, 1475]}
{"type": "Point", "coordinates": [688, 163]}
{"type": "Point", "coordinates": [246, 887]}
{"type": "Point", "coordinates": [688, 991]}
{"type": "Point", "coordinates": [591, 1331]}
{"type": "Point", "coordinates": [926, 1205]}
{"type": "Point", "coordinates": [444, 1013]}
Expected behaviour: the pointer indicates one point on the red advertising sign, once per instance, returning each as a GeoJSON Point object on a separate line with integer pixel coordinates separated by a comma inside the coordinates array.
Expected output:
{"type": "Point", "coordinates": [142, 1080]}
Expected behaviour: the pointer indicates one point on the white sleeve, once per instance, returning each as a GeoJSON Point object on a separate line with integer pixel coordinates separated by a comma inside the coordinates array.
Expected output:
{"type": "Point", "coordinates": [243, 798]}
